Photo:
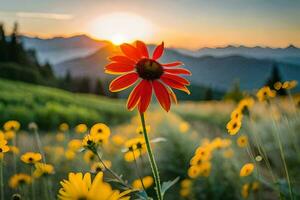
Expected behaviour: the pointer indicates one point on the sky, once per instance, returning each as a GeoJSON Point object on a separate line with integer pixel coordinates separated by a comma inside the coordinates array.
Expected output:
{"type": "Point", "coordinates": [180, 23]}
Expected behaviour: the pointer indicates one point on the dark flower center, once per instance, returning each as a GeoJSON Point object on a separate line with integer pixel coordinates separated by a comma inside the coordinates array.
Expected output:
{"type": "Point", "coordinates": [30, 159]}
{"type": "Point", "coordinates": [1, 150]}
{"type": "Point", "coordinates": [149, 69]}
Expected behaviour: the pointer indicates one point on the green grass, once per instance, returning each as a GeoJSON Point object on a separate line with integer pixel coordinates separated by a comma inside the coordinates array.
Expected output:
{"type": "Point", "coordinates": [48, 106]}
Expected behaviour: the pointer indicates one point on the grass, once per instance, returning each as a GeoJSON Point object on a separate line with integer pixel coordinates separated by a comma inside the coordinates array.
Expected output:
{"type": "Point", "coordinates": [49, 107]}
{"type": "Point", "coordinates": [174, 136]}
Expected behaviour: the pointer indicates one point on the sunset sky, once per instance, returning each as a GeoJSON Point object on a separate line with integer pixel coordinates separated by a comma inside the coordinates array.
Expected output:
{"type": "Point", "coordinates": [180, 23]}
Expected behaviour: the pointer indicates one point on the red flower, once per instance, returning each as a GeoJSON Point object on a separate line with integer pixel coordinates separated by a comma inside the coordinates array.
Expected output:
{"type": "Point", "coordinates": [136, 66]}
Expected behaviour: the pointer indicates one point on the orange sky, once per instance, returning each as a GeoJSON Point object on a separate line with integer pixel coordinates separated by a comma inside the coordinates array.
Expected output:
{"type": "Point", "coordinates": [189, 24]}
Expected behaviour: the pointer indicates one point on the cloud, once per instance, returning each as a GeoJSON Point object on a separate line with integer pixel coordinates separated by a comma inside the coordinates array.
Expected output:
{"type": "Point", "coordinates": [39, 15]}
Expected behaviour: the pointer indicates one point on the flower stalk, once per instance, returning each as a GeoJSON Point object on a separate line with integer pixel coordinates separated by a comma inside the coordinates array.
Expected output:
{"type": "Point", "coordinates": [152, 160]}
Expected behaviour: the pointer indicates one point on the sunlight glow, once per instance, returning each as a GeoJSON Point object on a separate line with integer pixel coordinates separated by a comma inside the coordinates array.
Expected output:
{"type": "Point", "coordinates": [121, 27]}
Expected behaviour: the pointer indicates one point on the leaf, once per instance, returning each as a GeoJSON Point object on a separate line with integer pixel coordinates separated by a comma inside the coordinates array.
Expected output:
{"type": "Point", "coordinates": [167, 185]}
{"type": "Point", "coordinates": [158, 139]}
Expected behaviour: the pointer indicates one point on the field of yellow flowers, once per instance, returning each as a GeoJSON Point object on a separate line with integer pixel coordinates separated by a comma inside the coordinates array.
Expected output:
{"type": "Point", "coordinates": [214, 150]}
{"type": "Point", "coordinates": [209, 150]}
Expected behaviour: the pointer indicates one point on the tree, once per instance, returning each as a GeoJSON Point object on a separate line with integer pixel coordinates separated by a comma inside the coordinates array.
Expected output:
{"type": "Point", "coordinates": [83, 85]}
{"type": "Point", "coordinates": [99, 88]}
{"type": "Point", "coordinates": [234, 93]}
{"type": "Point", "coordinates": [208, 94]}
{"type": "Point", "coordinates": [275, 77]}
{"type": "Point", "coordinates": [3, 45]}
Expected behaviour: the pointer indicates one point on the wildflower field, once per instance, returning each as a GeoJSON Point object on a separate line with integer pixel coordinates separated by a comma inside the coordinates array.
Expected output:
{"type": "Point", "coordinates": [255, 157]}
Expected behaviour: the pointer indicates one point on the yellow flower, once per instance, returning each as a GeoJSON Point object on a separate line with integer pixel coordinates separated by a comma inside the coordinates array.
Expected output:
{"type": "Point", "coordinates": [139, 129]}
{"type": "Point", "coordinates": [289, 84]}
{"type": "Point", "coordinates": [63, 127]}
{"type": "Point", "coordinates": [205, 169]}
{"type": "Point", "coordinates": [89, 156]}
{"type": "Point", "coordinates": [60, 137]}
{"type": "Point", "coordinates": [247, 169]}
{"type": "Point", "coordinates": [194, 171]}
{"type": "Point", "coordinates": [18, 180]}
{"type": "Point", "coordinates": [92, 140]}
{"type": "Point", "coordinates": [31, 157]}
{"type": "Point", "coordinates": [75, 145]}
{"type": "Point", "coordinates": [101, 129]}
{"type": "Point", "coordinates": [15, 150]}
{"type": "Point", "coordinates": [265, 93]}
{"type": "Point", "coordinates": [277, 85]}
{"type": "Point", "coordinates": [245, 104]}
{"type": "Point", "coordinates": [118, 140]}
{"type": "Point", "coordinates": [98, 166]}
{"type": "Point", "coordinates": [81, 128]}
{"type": "Point", "coordinates": [242, 141]}
{"type": "Point", "coordinates": [42, 169]}
{"type": "Point", "coordinates": [185, 187]}
{"type": "Point", "coordinates": [3, 146]}
{"type": "Point", "coordinates": [245, 190]}
{"type": "Point", "coordinates": [147, 182]}
{"type": "Point", "coordinates": [184, 127]}
{"type": "Point", "coordinates": [236, 114]}
{"type": "Point", "coordinates": [70, 154]}
{"type": "Point", "coordinates": [135, 148]}
{"type": "Point", "coordinates": [9, 135]}
{"type": "Point", "coordinates": [255, 186]}
{"type": "Point", "coordinates": [80, 186]}
{"type": "Point", "coordinates": [233, 126]}
{"type": "Point", "coordinates": [11, 125]}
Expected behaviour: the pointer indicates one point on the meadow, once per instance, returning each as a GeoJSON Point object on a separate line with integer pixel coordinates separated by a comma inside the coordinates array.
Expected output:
{"type": "Point", "coordinates": [204, 150]}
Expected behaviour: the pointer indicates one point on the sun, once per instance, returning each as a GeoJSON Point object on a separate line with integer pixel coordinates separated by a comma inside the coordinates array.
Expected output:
{"type": "Point", "coordinates": [121, 27]}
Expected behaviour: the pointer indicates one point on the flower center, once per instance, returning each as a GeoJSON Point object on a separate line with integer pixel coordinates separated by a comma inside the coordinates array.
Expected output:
{"type": "Point", "coordinates": [149, 69]}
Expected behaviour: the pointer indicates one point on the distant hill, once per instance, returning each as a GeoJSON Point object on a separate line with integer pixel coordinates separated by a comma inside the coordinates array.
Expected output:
{"type": "Point", "coordinates": [216, 72]}
{"type": "Point", "coordinates": [49, 107]}
{"type": "Point", "coordinates": [289, 54]}
{"type": "Point", "coordinates": [59, 49]}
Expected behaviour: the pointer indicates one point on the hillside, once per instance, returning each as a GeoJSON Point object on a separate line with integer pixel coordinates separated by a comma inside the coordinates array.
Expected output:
{"type": "Point", "coordinates": [48, 106]}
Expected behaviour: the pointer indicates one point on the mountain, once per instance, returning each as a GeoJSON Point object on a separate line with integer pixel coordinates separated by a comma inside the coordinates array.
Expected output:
{"type": "Point", "coordinates": [59, 49]}
{"type": "Point", "coordinates": [289, 54]}
{"type": "Point", "coordinates": [216, 72]}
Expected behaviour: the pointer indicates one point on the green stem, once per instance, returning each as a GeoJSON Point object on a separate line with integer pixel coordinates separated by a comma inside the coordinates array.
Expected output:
{"type": "Point", "coordinates": [32, 184]}
{"type": "Point", "coordinates": [112, 172]}
{"type": "Point", "coordinates": [284, 162]}
{"type": "Point", "coordinates": [152, 160]}
{"type": "Point", "coordinates": [39, 145]}
{"type": "Point", "coordinates": [1, 181]}
{"type": "Point", "coordinates": [137, 171]}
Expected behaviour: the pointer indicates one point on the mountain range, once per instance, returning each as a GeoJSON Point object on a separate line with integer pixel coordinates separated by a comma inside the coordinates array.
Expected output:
{"type": "Point", "coordinates": [59, 49]}
{"type": "Point", "coordinates": [214, 67]}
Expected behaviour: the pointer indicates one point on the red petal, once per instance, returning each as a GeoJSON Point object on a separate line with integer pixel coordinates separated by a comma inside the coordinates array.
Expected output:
{"type": "Point", "coordinates": [176, 78]}
{"type": "Point", "coordinates": [141, 46]}
{"type": "Point", "coordinates": [174, 84]}
{"type": "Point", "coordinates": [118, 68]}
{"type": "Point", "coordinates": [172, 95]}
{"type": "Point", "coordinates": [130, 51]}
{"type": "Point", "coordinates": [134, 96]}
{"type": "Point", "coordinates": [178, 71]}
{"type": "Point", "coordinates": [123, 59]}
{"type": "Point", "coordinates": [158, 51]}
{"type": "Point", "coordinates": [146, 95]}
{"type": "Point", "coordinates": [173, 64]}
{"type": "Point", "coordinates": [123, 82]}
{"type": "Point", "coordinates": [162, 95]}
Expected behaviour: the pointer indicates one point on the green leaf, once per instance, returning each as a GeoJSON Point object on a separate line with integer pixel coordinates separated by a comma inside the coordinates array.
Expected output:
{"type": "Point", "coordinates": [167, 185]}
